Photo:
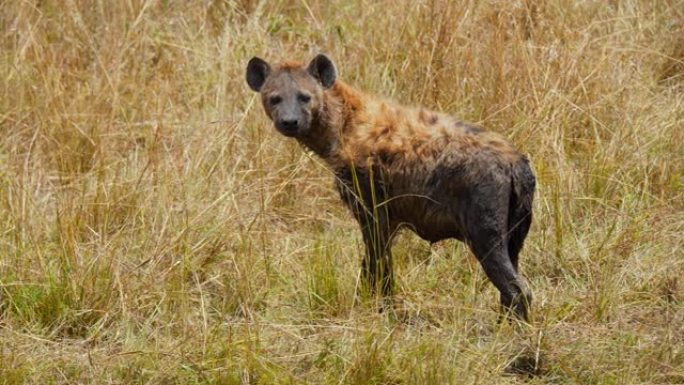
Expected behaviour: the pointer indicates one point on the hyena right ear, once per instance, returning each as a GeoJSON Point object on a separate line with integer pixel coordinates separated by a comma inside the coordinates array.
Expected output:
{"type": "Point", "coordinates": [323, 69]}
{"type": "Point", "coordinates": [257, 72]}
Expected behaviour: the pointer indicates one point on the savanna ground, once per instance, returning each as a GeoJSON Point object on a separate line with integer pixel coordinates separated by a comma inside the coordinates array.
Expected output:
{"type": "Point", "coordinates": [154, 228]}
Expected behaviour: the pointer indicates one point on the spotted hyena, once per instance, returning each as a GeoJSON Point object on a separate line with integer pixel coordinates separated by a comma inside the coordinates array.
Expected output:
{"type": "Point", "coordinates": [398, 166]}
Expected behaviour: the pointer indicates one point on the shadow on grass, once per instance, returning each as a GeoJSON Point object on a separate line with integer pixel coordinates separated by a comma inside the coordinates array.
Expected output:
{"type": "Point", "coordinates": [528, 364]}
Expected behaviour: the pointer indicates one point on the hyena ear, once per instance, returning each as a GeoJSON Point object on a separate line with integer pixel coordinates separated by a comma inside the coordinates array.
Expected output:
{"type": "Point", "coordinates": [323, 69]}
{"type": "Point", "coordinates": [257, 72]}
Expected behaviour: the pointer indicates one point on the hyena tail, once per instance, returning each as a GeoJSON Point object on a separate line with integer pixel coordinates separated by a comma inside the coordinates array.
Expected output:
{"type": "Point", "coordinates": [520, 207]}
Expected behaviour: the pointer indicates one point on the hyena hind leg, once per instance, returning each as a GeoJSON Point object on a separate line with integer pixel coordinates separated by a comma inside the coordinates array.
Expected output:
{"type": "Point", "coordinates": [493, 256]}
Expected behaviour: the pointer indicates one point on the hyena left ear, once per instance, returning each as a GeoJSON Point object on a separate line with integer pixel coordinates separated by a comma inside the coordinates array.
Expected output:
{"type": "Point", "coordinates": [323, 69]}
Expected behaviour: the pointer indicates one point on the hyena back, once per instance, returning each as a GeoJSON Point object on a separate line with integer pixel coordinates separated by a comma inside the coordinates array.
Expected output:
{"type": "Point", "coordinates": [407, 167]}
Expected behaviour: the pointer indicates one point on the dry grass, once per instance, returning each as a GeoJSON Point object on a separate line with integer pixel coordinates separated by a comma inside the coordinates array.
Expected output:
{"type": "Point", "coordinates": [154, 228]}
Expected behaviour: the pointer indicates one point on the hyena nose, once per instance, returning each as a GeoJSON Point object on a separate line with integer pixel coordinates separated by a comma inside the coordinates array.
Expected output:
{"type": "Point", "coordinates": [289, 125]}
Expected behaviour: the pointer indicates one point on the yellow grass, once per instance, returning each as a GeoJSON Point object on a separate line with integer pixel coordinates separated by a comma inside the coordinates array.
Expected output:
{"type": "Point", "coordinates": [154, 228]}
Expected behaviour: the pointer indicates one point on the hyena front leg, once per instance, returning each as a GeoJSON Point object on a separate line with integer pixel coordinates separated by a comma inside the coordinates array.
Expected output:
{"type": "Point", "coordinates": [376, 265]}
{"type": "Point", "coordinates": [365, 193]}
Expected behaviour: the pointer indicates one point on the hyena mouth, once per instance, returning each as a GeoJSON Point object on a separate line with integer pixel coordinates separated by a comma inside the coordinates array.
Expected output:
{"type": "Point", "coordinates": [289, 132]}
{"type": "Point", "coordinates": [287, 128]}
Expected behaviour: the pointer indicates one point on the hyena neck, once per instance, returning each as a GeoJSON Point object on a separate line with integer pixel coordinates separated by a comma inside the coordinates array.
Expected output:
{"type": "Point", "coordinates": [334, 119]}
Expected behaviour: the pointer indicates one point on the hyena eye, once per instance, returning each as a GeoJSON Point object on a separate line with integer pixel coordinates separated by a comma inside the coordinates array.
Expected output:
{"type": "Point", "coordinates": [273, 100]}
{"type": "Point", "coordinates": [304, 98]}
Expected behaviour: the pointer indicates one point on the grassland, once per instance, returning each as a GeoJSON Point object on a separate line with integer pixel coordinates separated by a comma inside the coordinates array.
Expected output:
{"type": "Point", "coordinates": [155, 229]}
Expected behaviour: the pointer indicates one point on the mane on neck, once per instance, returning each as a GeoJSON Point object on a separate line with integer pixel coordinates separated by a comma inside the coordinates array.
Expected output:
{"type": "Point", "coordinates": [335, 118]}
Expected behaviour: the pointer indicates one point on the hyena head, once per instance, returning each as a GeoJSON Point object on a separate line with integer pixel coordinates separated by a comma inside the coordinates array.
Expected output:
{"type": "Point", "coordinates": [292, 95]}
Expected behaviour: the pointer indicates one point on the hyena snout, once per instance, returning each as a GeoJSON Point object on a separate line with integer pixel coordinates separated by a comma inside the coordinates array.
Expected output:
{"type": "Point", "coordinates": [291, 119]}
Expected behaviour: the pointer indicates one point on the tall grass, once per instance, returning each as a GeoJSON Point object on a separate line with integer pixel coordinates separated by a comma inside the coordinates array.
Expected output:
{"type": "Point", "coordinates": [154, 228]}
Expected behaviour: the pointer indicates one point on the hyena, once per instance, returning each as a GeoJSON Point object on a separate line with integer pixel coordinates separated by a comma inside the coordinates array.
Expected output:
{"type": "Point", "coordinates": [407, 167]}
